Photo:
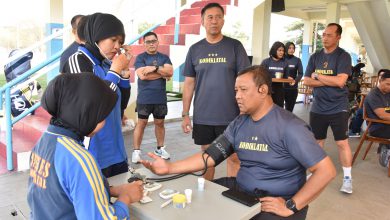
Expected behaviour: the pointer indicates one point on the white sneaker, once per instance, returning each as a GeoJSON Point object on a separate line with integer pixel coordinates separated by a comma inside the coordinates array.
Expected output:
{"type": "Point", "coordinates": [162, 153]}
{"type": "Point", "coordinates": [347, 185]}
{"type": "Point", "coordinates": [136, 156]}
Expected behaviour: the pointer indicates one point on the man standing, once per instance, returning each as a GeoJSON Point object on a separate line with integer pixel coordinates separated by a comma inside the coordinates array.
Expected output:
{"type": "Point", "coordinates": [152, 69]}
{"type": "Point", "coordinates": [210, 71]}
{"type": "Point", "coordinates": [71, 49]}
{"type": "Point", "coordinates": [327, 72]}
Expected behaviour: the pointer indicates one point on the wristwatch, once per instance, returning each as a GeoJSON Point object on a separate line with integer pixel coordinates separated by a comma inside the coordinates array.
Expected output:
{"type": "Point", "coordinates": [315, 76]}
{"type": "Point", "coordinates": [157, 67]}
{"type": "Point", "coordinates": [184, 114]}
{"type": "Point", "coordinates": [290, 204]}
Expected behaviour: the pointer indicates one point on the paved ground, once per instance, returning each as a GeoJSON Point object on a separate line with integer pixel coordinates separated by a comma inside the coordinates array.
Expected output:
{"type": "Point", "coordinates": [370, 200]}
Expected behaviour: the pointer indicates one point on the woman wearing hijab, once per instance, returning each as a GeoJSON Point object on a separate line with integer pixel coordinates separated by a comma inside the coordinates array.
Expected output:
{"type": "Point", "coordinates": [104, 36]}
{"type": "Point", "coordinates": [295, 71]}
{"type": "Point", "coordinates": [65, 181]}
{"type": "Point", "coordinates": [276, 64]}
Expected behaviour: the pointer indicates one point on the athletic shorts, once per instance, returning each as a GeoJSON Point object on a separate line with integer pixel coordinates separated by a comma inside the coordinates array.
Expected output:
{"type": "Point", "coordinates": [159, 111]}
{"type": "Point", "coordinates": [206, 134]}
{"type": "Point", "coordinates": [338, 123]}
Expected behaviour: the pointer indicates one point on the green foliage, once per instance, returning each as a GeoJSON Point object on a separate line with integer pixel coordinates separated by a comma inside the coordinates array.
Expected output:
{"type": "Point", "coordinates": [238, 34]}
{"type": "Point", "coordinates": [144, 26]}
{"type": "Point", "coordinates": [298, 27]}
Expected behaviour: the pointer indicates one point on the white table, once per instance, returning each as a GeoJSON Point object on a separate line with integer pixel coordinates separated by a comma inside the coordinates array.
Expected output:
{"type": "Point", "coordinates": [207, 204]}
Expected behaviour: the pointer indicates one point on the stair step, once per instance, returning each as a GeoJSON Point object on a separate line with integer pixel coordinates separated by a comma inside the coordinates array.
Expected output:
{"type": "Point", "coordinates": [188, 19]}
{"type": "Point", "coordinates": [201, 4]}
{"type": "Point", "coordinates": [138, 49]}
{"type": "Point", "coordinates": [196, 11]}
{"type": "Point", "coordinates": [25, 134]}
{"type": "Point", "coordinates": [168, 39]}
{"type": "Point", "coordinates": [184, 29]}
{"type": "Point", "coordinates": [191, 11]}
{"type": "Point", "coordinates": [3, 165]}
{"type": "Point", "coordinates": [21, 142]}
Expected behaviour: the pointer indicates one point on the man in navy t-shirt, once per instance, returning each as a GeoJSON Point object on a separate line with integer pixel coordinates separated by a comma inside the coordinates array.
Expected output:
{"type": "Point", "coordinates": [71, 49]}
{"type": "Point", "coordinates": [153, 69]}
{"type": "Point", "coordinates": [377, 104]}
{"type": "Point", "coordinates": [327, 72]}
{"type": "Point", "coordinates": [274, 157]}
{"type": "Point", "coordinates": [210, 71]}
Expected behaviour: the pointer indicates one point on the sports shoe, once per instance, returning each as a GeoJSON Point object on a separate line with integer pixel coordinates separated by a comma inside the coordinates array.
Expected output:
{"type": "Point", "coordinates": [162, 153]}
{"type": "Point", "coordinates": [384, 155]}
{"type": "Point", "coordinates": [347, 185]}
{"type": "Point", "coordinates": [353, 135]}
{"type": "Point", "coordinates": [136, 156]}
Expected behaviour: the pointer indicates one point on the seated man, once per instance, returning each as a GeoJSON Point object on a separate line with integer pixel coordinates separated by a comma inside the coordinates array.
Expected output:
{"type": "Point", "coordinates": [274, 157]}
{"type": "Point", "coordinates": [377, 104]}
{"type": "Point", "coordinates": [355, 126]}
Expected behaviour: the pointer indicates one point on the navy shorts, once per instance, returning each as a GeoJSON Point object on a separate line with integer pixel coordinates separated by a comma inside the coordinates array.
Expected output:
{"type": "Point", "coordinates": [205, 134]}
{"type": "Point", "coordinates": [338, 123]}
{"type": "Point", "coordinates": [159, 111]}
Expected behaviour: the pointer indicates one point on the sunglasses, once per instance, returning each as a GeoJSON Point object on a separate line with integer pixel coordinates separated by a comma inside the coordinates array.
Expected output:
{"type": "Point", "coordinates": [151, 42]}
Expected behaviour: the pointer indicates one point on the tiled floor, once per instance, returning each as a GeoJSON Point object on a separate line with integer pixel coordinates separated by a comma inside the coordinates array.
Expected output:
{"type": "Point", "coordinates": [369, 201]}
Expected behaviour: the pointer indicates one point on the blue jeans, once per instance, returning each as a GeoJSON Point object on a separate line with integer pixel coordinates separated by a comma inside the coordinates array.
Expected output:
{"type": "Point", "coordinates": [356, 123]}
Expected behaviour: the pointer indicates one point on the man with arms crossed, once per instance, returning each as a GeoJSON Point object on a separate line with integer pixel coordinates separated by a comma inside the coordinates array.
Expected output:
{"type": "Point", "coordinates": [210, 71]}
{"type": "Point", "coordinates": [327, 72]}
{"type": "Point", "coordinates": [152, 69]}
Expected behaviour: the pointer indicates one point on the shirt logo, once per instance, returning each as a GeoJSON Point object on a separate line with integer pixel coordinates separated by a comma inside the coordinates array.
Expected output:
{"type": "Point", "coordinates": [212, 58]}
{"type": "Point", "coordinates": [324, 72]}
{"type": "Point", "coordinates": [325, 65]}
{"type": "Point", "coordinates": [39, 170]}
{"type": "Point", "coordinates": [253, 146]}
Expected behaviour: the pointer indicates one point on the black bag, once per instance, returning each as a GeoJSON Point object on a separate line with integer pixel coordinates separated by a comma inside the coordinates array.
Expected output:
{"type": "Point", "coordinates": [17, 67]}
{"type": "Point", "coordinates": [21, 100]}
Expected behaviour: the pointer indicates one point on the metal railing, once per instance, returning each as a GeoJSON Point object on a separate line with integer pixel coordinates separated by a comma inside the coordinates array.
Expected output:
{"type": "Point", "coordinates": [6, 89]}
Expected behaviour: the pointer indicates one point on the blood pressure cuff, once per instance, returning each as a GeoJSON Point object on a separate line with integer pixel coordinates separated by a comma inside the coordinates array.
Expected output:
{"type": "Point", "coordinates": [220, 149]}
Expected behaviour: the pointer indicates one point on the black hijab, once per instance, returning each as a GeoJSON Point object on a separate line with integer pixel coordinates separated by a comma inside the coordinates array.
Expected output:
{"type": "Point", "coordinates": [78, 102]}
{"type": "Point", "coordinates": [101, 26]}
{"type": "Point", "coordinates": [286, 49]}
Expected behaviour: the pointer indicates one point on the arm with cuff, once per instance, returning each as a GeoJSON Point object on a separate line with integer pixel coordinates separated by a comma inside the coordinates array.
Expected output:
{"type": "Point", "coordinates": [218, 151]}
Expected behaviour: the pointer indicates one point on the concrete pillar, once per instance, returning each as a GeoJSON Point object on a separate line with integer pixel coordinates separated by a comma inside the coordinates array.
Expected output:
{"type": "Point", "coordinates": [371, 21]}
{"type": "Point", "coordinates": [261, 31]}
{"type": "Point", "coordinates": [307, 42]}
{"type": "Point", "coordinates": [333, 12]}
{"type": "Point", "coordinates": [55, 24]}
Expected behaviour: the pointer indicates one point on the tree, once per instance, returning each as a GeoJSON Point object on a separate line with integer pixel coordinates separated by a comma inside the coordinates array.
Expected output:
{"type": "Point", "coordinates": [238, 34]}
{"type": "Point", "coordinates": [298, 37]}
{"type": "Point", "coordinates": [144, 26]}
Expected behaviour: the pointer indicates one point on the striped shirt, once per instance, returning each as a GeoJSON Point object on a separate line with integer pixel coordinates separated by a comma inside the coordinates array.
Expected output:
{"type": "Point", "coordinates": [66, 182]}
